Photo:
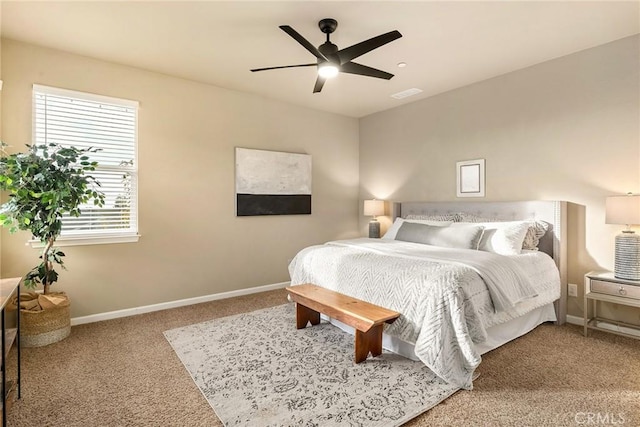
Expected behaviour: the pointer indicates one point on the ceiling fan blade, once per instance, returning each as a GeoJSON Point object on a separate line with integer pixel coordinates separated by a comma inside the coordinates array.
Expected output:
{"type": "Point", "coordinates": [304, 42]}
{"type": "Point", "coordinates": [284, 66]}
{"type": "Point", "coordinates": [352, 52]}
{"type": "Point", "coordinates": [319, 83]}
{"type": "Point", "coordinates": [363, 70]}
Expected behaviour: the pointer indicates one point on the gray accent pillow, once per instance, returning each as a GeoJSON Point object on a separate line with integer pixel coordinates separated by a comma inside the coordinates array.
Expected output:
{"type": "Point", "coordinates": [460, 237]}
{"type": "Point", "coordinates": [393, 230]}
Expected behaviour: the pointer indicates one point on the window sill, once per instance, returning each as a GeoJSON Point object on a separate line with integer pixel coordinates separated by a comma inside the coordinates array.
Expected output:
{"type": "Point", "coordinates": [88, 240]}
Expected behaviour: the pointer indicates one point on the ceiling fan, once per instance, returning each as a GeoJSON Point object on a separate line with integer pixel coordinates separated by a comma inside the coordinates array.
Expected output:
{"type": "Point", "coordinates": [331, 61]}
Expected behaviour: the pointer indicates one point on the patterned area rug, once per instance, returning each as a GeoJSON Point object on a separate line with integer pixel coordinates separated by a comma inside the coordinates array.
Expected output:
{"type": "Point", "coordinates": [257, 369]}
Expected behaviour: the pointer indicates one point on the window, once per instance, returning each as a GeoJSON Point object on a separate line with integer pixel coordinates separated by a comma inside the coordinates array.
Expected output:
{"type": "Point", "coordinates": [85, 120]}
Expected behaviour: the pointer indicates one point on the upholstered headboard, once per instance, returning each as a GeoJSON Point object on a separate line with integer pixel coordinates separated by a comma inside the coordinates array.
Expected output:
{"type": "Point", "coordinates": [554, 242]}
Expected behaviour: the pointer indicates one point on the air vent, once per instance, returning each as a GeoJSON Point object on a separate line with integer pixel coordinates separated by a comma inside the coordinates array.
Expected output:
{"type": "Point", "coordinates": [406, 93]}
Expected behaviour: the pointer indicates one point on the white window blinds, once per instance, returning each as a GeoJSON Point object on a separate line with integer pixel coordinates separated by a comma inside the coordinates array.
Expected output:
{"type": "Point", "coordinates": [85, 120]}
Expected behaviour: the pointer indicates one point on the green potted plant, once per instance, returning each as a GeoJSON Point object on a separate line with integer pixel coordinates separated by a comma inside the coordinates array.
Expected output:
{"type": "Point", "coordinates": [43, 184]}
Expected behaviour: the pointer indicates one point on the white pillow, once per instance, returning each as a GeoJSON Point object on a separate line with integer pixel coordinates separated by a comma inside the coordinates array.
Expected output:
{"type": "Point", "coordinates": [537, 228]}
{"type": "Point", "coordinates": [503, 238]}
{"type": "Point", "coordinates": [393, 230]}
{"type": "Point", "coordinates": [461, 237]}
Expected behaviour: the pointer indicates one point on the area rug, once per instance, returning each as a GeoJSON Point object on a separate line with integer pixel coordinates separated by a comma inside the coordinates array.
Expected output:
{"type": "Point", "coordinates": [257, 369]}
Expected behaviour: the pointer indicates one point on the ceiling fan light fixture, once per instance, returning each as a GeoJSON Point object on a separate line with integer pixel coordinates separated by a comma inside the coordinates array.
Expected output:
{"type": "Point", "coordinates": [331, 61]}
{"type": "Point", "coordinates": [327, 70]}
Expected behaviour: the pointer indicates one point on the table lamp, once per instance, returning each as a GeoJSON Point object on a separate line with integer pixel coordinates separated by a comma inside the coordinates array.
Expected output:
{"type": "Point", "coordinates": [374, 208]}
{"type": "Point", "coordinates": [625, 210]}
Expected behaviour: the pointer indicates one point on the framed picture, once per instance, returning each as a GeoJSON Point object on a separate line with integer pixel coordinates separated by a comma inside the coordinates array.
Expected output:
{"type": "Point", "coordinates": [470, 178]}
{"type": "Point", "coordinates": [272, 183]}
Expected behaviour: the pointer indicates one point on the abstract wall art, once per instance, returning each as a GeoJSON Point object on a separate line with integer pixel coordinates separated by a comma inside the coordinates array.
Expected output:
{"type": "Point", "coordinates": [272, 183]}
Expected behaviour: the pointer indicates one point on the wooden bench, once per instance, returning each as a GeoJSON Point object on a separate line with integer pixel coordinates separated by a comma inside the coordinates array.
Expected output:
{"type": "Point", "coordinates": [367, 319]}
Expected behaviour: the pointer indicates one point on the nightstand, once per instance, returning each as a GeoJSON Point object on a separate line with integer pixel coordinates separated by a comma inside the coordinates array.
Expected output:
{"type": "Point", "coordinates": [604, 286]}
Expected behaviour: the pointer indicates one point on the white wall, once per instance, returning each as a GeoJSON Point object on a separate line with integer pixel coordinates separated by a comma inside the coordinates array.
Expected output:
{"type": "Point", "coordinates": [567, 129]}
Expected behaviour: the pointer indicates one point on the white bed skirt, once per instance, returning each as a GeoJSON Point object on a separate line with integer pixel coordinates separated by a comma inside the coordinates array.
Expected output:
{"type": "Point", "coordinates": [496, 335]}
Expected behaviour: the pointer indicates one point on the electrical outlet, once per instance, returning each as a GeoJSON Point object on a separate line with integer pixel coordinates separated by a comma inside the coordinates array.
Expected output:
{"type": "Point", "coordinates": [573, 290]}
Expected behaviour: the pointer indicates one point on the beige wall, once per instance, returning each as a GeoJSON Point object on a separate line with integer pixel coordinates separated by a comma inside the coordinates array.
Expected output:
{"type": "Point", "coordinates": [192, 244]}
{"type": "Point", "coordinates": [567, 129]}
{"type": "Point", "coordinates": [1, 127]}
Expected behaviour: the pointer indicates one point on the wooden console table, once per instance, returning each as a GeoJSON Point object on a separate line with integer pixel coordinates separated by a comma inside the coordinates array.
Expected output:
{"type": "Point", "coordinates": [10, 335]}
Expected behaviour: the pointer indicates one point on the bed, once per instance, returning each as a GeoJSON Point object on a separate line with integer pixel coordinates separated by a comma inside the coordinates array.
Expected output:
{"type": "Point", "coordinates": [457, 302]}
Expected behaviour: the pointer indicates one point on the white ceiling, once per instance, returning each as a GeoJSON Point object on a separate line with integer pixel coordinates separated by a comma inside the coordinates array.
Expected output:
{"type": "Point", "coordinates": [446, 44]}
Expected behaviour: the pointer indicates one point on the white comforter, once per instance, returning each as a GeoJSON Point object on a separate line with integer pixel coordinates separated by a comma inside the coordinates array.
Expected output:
{"type": "Point", "coordinates": [447, 297]}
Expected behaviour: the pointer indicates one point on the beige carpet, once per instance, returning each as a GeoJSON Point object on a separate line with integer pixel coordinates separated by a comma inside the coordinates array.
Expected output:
{"type": "Point", "coordinates": [124, 373]}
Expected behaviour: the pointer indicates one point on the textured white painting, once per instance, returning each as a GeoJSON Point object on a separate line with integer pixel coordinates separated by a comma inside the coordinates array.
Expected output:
{"type": "Point", "coordinates": [272, 183]}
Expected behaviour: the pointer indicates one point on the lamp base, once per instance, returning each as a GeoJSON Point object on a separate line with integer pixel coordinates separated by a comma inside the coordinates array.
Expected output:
{"type": "Point", "coordinates": [374, 229]}
{"type": "Point", "coordinates": [627, 256]}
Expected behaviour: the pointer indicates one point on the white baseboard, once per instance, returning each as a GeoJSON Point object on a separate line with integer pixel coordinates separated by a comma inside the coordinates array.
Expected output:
{"type": "Point", "coordinates": [173, 304]}
{"type": "Point", "coordinates": [575, 320]}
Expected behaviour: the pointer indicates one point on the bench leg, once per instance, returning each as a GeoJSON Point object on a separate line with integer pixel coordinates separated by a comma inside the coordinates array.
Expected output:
{"type": "Point", "coordinates": [304, 315]}
{"type": "Point", "coordinates": [370, 341]}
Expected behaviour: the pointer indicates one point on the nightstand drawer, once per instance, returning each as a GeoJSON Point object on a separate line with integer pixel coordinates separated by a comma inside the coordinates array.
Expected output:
{"type": "Point", "coordinates": [610, 288]}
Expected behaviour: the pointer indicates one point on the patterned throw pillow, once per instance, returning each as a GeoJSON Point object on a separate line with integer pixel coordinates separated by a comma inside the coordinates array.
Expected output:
{"type": "Point", "coordinates": [536, 230]}
{"type": "Point", "coordinates": [435, 217]}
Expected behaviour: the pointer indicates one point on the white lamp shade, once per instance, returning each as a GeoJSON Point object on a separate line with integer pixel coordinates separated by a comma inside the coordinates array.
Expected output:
{"type": "Point", "coordinates": [623, 210]}
{"type": "Point", "coordinates": [374, 207]}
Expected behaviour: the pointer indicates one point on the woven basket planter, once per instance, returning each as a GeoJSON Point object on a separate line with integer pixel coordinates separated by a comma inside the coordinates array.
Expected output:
{"type": "Point", "coordinates": [40, 328]}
